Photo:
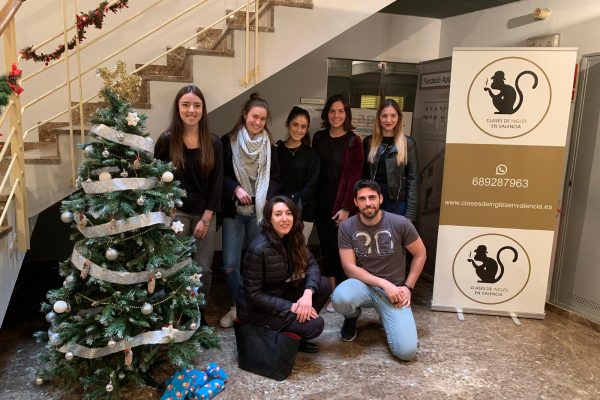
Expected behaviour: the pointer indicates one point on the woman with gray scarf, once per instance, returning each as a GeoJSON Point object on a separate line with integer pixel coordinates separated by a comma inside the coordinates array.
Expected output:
{"type": "Point", "coordinates": [250, 178]}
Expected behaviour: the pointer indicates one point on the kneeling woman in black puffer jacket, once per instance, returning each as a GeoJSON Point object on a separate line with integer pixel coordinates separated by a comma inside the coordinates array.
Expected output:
{"type": "Point", "coordinates": [282, 283]}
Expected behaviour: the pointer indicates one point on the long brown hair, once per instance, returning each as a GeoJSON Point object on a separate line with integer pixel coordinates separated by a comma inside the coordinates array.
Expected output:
{"type": "Point", "coordinates": [206, 155]}
{"type": "Point", "coordinates": [399, 137]}
{"type": "Point", "coordinates": [254, 101]}
{"type": "Point", "coordinates": [295, 250]}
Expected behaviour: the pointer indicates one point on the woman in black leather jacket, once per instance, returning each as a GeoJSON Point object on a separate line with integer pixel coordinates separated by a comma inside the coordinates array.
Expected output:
{"type": "Point", "coordinates": [282, 284]}
{"type": "Point", "coordinates": [391, 161]}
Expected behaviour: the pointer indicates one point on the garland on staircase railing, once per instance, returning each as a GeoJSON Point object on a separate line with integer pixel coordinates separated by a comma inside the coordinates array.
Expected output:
{"type": "Point", "coordinates": [83, 20]}
{"type": "Point", "coordinates": [9, 85]}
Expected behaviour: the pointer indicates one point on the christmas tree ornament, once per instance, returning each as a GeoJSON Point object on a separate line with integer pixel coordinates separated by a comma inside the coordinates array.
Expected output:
{"type": "Point", "coordinates": [128, 357]}
{"type": "Point", "coordinates": [67, 217]}
{"type": "Point", "coordinates": [140, 201]}
{"type": "Point", "coordinates": [121, 375]}
{"type": "Point", "coordinates": [69, 356]}
{"type": "Point", "coordinates": [51, 316]}
{"type": "Point", "coordinates": [125, 85]}
{"type": "Point", "coordinates": [178, 203]}
{"type": "Point", "coordinates": [89, 150]}
{"type": "Point", "coordinates": [177, 226]}
{"type": "Point", "coordinates": [111, 343]}
{"type": "Point", "coordinates": [167, 177]}
{"type": "Point", "coordinates": [105, 153]}
{"type": "Point", "coordinates": [151, 285]}
{"type": "Point", "coordinates": [137, 163]}
{"type": "Point", "coordinates": [109, 388]}
{"type": "Point", "coordinates": [70, 279]}
{"type": "Point", "coordinates": [147, 309]}
{"type": "Point", "coordinates": [85, 271]}
{"type": "Point", "coordinates": [132, 119]}
{"type": "Point", "coordinates": [124, 174]}
{"type": "Point", "coordinates": [158, 274]}
{"type": "Point", "coordinates": [39, 381]}
{"type": "Point", "coordinates": [111, 254]}
{"type": "Point", "coordinates": [104, 176]}
{"type": "Point", "coordinates": [60, 306]}
{"type": "Point", "coordinates": [193, 326]}
{"type": "Point", "coordinates": [120, 136]}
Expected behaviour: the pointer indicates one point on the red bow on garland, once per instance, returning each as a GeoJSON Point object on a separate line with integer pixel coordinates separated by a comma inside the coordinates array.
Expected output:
{"type": "Point", "coordinates": [12, 78]}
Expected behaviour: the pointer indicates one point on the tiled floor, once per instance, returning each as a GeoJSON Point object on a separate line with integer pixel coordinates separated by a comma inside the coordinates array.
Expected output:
{"type": "Point", "coordinates": [482, 357]}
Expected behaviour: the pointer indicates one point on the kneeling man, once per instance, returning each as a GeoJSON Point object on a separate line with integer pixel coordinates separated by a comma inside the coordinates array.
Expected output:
{"type": "Point", "coordinates": [372, 249]}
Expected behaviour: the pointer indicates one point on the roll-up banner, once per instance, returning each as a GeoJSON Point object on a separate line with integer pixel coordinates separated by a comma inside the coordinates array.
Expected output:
{"type": "Point", "coordinates": [503, 177]}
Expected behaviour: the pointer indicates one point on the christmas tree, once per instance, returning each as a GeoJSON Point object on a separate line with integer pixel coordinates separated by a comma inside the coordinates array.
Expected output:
{"type": "Point", "coordinates": [130, 296]}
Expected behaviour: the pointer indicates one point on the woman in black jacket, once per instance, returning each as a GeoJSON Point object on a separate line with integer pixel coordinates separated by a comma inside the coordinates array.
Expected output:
{"type": "Point", "coordinates": [299, 166]}
{"type": "Point", "coordinates": [282, 284]}
{"type": "Point", "coordinates": [391, 161]}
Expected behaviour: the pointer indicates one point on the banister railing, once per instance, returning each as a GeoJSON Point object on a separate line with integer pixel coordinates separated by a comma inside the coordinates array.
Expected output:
{"type": "Point", "coordinates": [14, 178]}
{"type": "Point", "coordinates": [73, 77]}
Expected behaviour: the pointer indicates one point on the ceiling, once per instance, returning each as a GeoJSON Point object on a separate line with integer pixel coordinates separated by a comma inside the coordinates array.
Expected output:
{"type": "Point", "coordinates": [440, 8]}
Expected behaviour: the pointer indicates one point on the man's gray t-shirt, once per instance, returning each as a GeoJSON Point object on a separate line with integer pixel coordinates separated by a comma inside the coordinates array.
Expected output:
{"type": "Point", "coordinates": [379, 249]}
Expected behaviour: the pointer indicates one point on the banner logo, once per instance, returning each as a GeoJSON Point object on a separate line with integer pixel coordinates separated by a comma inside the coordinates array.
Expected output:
{"type": "Point", "coordinates": [491, 269]}
{"type": "Point", "coordinates": [509, 97]}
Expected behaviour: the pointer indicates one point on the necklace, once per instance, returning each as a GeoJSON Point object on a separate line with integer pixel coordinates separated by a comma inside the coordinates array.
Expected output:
{"type": "Point", "coordinates": [294, 150]}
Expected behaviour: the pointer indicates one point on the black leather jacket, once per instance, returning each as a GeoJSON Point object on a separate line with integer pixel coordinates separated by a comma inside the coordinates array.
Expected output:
{"type": "Point", "coordinates": [402, 179]}
{"type": "Point", "coordinates": [264, 272]}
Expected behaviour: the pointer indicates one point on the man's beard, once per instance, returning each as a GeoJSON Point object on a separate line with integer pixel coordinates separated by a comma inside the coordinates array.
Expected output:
{"type": "Point", "coordinates": [370, 212]}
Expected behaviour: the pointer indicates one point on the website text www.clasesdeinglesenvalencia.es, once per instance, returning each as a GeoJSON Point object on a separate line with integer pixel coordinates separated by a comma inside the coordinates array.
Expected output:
{"type": "Point", "coordinates": [497, 204]}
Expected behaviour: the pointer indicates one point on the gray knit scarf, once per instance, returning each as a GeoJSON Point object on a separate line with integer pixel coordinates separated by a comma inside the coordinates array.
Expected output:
{"type": "Point", "coordinates": [252, 165]}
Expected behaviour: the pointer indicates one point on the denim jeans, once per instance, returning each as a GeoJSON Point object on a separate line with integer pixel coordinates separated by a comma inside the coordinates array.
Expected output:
{"type": "Point", "coordinates": [399, 324]}
{"type": "Point", "coordinates": [237, 232]}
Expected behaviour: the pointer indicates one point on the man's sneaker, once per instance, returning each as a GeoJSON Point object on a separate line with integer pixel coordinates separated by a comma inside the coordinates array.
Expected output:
{"type": "Point", "coordinates": [227, 320]}
{"type": "Point", "coordinates": [349, 331]}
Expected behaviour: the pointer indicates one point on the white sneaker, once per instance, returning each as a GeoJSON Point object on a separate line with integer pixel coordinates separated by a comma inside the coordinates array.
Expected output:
{"type": "Point", "coordinates": [227, 320]}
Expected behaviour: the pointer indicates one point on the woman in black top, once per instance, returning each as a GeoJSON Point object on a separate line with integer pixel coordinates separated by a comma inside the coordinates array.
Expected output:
{"type": "Point", "coordinates": [282, 284]}
{"type": "Point", "coordinates": [391, 161]}
{"type": "Point", "coordinates": [299, 166]}
{"type": "Point", "coordinates": [341, 153]}
{"type": "Point", "coordinates": [197, 156]}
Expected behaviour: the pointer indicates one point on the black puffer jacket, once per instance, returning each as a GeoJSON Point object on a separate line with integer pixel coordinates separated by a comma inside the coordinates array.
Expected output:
{"type": "Point", "coordinates": [264, 273]}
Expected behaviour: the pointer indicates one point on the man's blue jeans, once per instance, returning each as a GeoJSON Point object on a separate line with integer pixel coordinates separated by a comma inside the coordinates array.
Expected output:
{"type": "Point", "coordinates": [352, 295]}
{"type": "Point", "coordinates": [237, 231]}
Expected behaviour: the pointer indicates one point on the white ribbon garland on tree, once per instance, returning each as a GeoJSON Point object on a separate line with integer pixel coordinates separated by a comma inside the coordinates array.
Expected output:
{"type": "Point", "coordinates": [118, 184]}
{"type": "Point", "coordinates": [121, 278]}
{"type": "Point", "coordinates": [128, 139]}
{"type": "Point", "coordinates": [125, 225]}
{"type": "Point", "coordinates": [164, 336]}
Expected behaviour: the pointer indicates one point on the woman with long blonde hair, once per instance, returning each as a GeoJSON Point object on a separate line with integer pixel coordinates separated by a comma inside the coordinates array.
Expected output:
{"type": "Point", "coordinates": [391, 161]}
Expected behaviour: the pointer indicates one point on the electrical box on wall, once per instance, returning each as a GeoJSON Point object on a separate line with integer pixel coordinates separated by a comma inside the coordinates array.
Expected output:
{"type": "Point", "coordinates": [544, 41]}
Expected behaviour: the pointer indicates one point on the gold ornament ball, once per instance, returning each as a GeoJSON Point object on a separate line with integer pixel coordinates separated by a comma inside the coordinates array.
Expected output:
{"type": "Point", "coordinates": [112, 343]}
{"type": "Point", "coordinates": [39, 381]}
{"type": "Point", "coordinates": [104, 176]}
{"type": "Point", "coordinates": [109, 387]}
{"type": "Point", "coordinates": [69, 356]}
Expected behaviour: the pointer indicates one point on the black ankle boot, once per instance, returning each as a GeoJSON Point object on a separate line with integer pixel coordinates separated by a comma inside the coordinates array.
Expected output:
{"type": "Point", "coordinates": [308, 347]}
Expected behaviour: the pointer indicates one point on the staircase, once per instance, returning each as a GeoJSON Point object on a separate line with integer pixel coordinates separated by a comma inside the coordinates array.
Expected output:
{"type": "Point", "coordinates": [288, 30]}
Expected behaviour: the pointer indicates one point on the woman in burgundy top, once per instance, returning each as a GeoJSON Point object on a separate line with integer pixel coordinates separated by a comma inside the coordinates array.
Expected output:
{"type": "Point", "coordinates": [341, 154]}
